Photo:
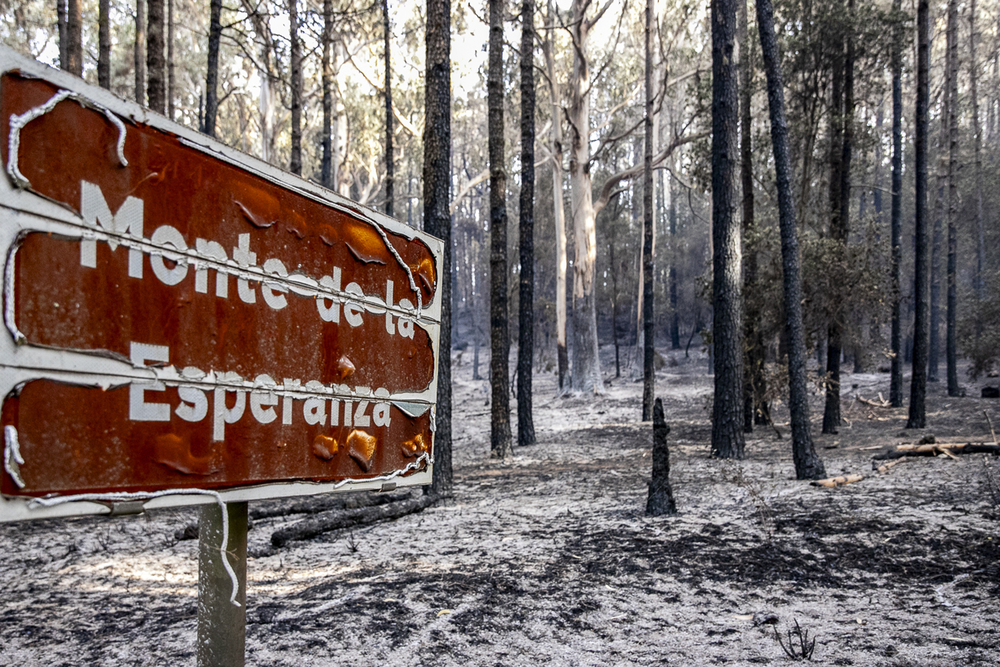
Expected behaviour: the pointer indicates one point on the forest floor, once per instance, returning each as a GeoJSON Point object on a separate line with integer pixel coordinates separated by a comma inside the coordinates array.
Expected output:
{"type": "Point", "coordinates": [550, 559]}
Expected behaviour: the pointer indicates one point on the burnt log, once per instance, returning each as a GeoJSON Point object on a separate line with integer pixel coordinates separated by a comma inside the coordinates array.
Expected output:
{"type": "Point", "coordinates": [325, 523]}
{"type": "Point", "coordinates": [661, 495]}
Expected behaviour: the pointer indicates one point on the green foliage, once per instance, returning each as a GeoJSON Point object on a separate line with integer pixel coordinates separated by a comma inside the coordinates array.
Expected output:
{"type": "Point", "coordinates": [978, 333]}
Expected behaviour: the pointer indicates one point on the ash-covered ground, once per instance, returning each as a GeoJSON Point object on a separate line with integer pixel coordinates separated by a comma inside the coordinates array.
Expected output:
{"type": "Point", "coordinates": [550, 559]}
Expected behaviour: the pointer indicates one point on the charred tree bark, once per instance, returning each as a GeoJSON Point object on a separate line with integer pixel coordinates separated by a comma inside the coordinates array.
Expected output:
{"type": "Point", "coordinates": [918, 384]}
{"type": "Point", "coordinates": [500, 444]}
{"type": "Point", "coordinates": [140, 51]}
{"type": "Point", "coordinates": [840, 203]}
{"type": "Point", "coordinates": [896, 224]}
{"type": "Point", "coordinates": [807, 464]}
{"type": "Point", "coordinates": [156, 86]}
{"type": "Point", "coordinates": [526, 226]}
{"type": "Point", "coordinates": [170, 59]}
{"type": "Point", "coordinates": [74, 37]}
{"type": "Point", "coordinates": [951, 317]}
{"type": "Point", "coordinates": [61, 18]}
{"type": "Point", "coordinates": [309, 528]}
{"type": "Point", "coordinates": [661, 495]}
{"type": "Point", "coordinates": [675, 317]}
{"type": "Point", "coordinates": [977, 137]}
{"type": "Point", "coordinates": [104, 44]}
{"type": "Point", "coordinates": [390, 164]}
{"type": "Point", "coordinates": [326, 76]}
{"type": "Point", "coordinates": [437, 219]}
{"type": "Point", "coordinates": [755, 409]}
{"type": "Point", "coordinates": [648, 369]}
{"type": "Point", "coordinates": [727, 329]}
{"type": "Point", "coordinates": [295, 160]}
{"type": "Point", "coordinates": [212, 76]}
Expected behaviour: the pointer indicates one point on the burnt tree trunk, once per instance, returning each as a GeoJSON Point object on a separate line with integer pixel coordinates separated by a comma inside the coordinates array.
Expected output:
{"type": "Point", "coordinates": [390, 164]}
{"type": "Point", "coordinates": [212, 76]}
{"type": "Point", "coordinates": [156, 85]}
{"type": "Point", "coordinates": [500, 444]}
{"type": "Point", "coordinates": [104, 44]}
{"type": "Point", "coordinates": [63, 38]}
{"type": "Point", "coordinates": [295, 159]}
{"type": "Point", "coordinates": [140, 51]}
{"type": "Point", "coordinates": [951, 316]}
{"type": "Point", "coordinates": [648, 368]}
{"type": "Point", "coordinates": [675, 317]}
{"type": "Point", "coordinates": [170, 59]}
{"type": "Point", "coordinates": [918, 385]}
{"type": "Point", "coordinates": [977, 135]}
{"type": "Point", "coordinates": [896, 223]}
{"type": "Point", "coordinates": [661, 496]}
{"type": "Point", "coordinates": [807, 464]}
{"type": "Point", "coordinates": [437, 219]}
{"type": "Point", "coordinates": [526, 226]}
{"type": "Point", "coordinates": [727, 328]}
{"type": "Point", "coordinates": [840, 205]}
{"type": "Point", "coordinates": [326, 76]}
{"type": "Point", "coordinates": [74, 37]}
{"type": "Point", "coordinates": [755, 409]}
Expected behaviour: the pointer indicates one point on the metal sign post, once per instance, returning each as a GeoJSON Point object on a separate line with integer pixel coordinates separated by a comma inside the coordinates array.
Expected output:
{"type": "Point", "coordinates": [185, 324]}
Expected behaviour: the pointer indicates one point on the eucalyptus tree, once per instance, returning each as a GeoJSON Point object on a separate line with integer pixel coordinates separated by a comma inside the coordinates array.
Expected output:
{"type": "Point", "coordinates": [951, 317]}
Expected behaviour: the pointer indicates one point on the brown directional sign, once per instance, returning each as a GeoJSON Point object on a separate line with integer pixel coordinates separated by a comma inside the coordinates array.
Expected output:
{"type": "Point", "coordinates": [182, 316]}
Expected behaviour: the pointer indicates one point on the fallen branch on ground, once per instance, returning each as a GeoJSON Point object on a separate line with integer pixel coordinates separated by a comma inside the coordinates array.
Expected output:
{"type": "Point", "coordinates": [949, 449]}
{"type": "Point", "coordinates": [317, 525]}
{"type": "Point", "coordinates": [884, 468]}
{"type": "Point", "coordinates": [881, 403]}
{"type": "Point", "coordinates": [831, 482]}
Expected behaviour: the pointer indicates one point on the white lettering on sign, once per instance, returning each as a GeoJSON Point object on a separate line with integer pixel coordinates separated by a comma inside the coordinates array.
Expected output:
{"type": "Point", "coordinates": [170, 256]}
{"type": "Point", "coordinates": [228, 403]}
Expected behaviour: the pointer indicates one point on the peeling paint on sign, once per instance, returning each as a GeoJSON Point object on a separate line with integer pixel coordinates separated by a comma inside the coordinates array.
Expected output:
{"type": "Point", "coordinates": [183, 320]}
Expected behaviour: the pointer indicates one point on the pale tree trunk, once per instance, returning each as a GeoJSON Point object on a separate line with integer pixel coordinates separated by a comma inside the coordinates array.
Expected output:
{"type": "Point", "coordinates": [918, 385]}
{"type": "Point", "coordinates": [389, 162]}
{"type": "Point", "coordinates": [74, 37]}
{"type": "Point", "coordinates": [295, 159]}
{"type": "Point", "coordinates": [648, 369]}
{"type": "Point", "coordinates": [326, 76]}
{"type": "Point", "coordinates": [140, 51]}
{"type": "Point", "coordinates": [156, 86]}
{"type": "Point", "coordinates": [104, 44]}
{"type": "Point", "coordinates": [500, 444]}
{"type": "Point", "coordinates": [896, 336]}
{"type": "Point", "coordinates": [340, 130]}
{"type": "Point", "coordinates": [951, 342]}
{"type": "Point", "coordinates": [212, 76]}
{"type": "Point", "coordinates": [727, 329]}
{"type": "Point", "coordinates": [807, 464]}
{"type": "Point", "coordinates": [557, 199]}
{"type": "Point", "coordinates": [437, 219]}
{"type": "Point", "coordinates": [526, 240]}
{"type": "Point", "coordinates": [586, 371]}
